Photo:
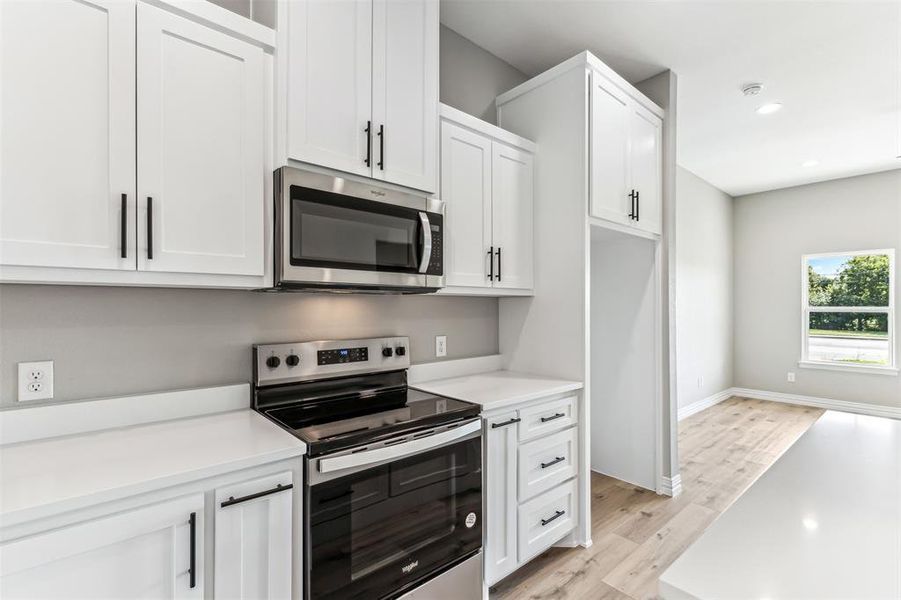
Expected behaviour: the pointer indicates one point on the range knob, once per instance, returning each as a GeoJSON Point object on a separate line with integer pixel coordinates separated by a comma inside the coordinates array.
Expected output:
{"type": "Point", "coordinates": [387, 352]}
{"type": "Point", "coordinates": [273, 362]}
{"type": "Point", "coordinates": [292, 360]}
{"type": "Point", "coordinates": [400, 350]}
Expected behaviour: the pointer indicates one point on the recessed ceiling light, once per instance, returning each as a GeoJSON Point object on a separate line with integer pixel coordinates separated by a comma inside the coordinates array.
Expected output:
{"type": "Point", "coordinates": [810, 163]}
{"type": "Point", "coordinates": [768, 109]}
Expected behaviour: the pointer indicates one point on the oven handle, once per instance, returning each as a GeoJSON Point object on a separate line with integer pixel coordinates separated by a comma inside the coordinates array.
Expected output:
{"type": "Point", "coordinates": [426, 242]}
{"type": "Point", "coordinates": [348, 461]}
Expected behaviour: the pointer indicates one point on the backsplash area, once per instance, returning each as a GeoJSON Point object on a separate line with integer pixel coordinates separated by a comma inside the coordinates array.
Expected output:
{"type": "Point", "coordinates": [108, 341]}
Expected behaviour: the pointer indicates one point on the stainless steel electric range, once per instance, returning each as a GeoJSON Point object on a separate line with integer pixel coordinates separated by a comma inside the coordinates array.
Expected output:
{"type": "Point", "coordinates": [393, 476]}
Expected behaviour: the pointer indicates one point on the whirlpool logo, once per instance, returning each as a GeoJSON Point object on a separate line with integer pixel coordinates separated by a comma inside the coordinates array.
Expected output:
{"type": "Point", "coordinates": [408, 568]}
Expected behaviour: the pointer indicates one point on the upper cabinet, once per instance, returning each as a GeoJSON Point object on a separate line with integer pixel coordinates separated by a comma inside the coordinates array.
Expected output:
{"type": "Point", "coordinates": [362, 88]}
{"type": "Point", "coordinates": [626, 158]}
{"type": "Point", "coordinates": [486, 183]}
{"type": "Point", "coordinates": [67, 134]}
{"type": "Point", "coordinates": [121, 165]}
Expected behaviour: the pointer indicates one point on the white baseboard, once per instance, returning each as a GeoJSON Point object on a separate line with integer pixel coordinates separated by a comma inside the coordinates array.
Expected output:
{"type": "Point", "coordinates": [699, 405]}
{"type": "Point", "coordinates": [875, 410]}
{"type": "Point", "coordinates": [670, 486]}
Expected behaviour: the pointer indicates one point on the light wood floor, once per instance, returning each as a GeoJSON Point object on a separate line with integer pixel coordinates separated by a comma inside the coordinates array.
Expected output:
{"type": "Point", "coordinates": [638, 534]}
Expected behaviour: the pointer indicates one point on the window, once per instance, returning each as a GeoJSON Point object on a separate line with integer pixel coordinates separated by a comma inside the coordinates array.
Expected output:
{"type": "Point", "coordinates": [848, 311]}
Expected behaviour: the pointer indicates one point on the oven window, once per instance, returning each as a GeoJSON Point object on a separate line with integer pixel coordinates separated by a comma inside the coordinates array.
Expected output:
{"type": "Point", "coordinates": [376, 531]}
{"type": "Point", "coordinates": [335, 231]}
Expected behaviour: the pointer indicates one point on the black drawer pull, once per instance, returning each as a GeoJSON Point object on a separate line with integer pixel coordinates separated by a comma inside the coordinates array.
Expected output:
{"type": "Point", "coordinates": [279, 488]}
{"type": "Point", "coordinates": [557, 515]}
{"type": "Point", "coordinates": [559, 459]}
{"type": "Point", "coordinates": [192, 560]}
{"type": "Point", "coordinates": [553, 417]}
{"type": "Point", "coordinates": [505, 423]}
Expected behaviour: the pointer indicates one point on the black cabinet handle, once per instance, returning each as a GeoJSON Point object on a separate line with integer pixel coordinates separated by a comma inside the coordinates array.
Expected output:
{"type": "Point", "coordinates": [192, 568]}
{"type": "Point", "coordinates": [559, 459]}
{"type": "Point", "coordinates": [553, 417]}
{"type": "Point", "coordinates": [381, 134]}
{"type": "Point", "coordinates": [557, 515]}
{"type": "Point", "coordinates": [637, 206]}
{"type": "Point", "coordinates": [499, 262]}
{"type": "Point", "coordinates": [368, 132]}
{"type": "Point", "coordinates": [632, 210]}
{"type": "Point", "coordinates": [505, 423]}
{"type": "Point", "coordinates": [232, 500]}
{"type": "Point", "coordinates": [123, 225]}
{"type": "Point", "coordinates": [491, 261]}
{"type": "Point", "coordinates": [149, 228]}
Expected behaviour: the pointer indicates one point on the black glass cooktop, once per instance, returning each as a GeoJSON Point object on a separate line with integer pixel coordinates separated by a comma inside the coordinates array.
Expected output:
{"type": "Point", "coordinates": [360, 412]}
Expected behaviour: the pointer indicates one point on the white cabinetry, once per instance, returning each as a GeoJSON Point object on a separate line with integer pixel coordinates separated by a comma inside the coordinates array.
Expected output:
{"type": "Point", "coordinates": [361, 87]}
{"type": "Point", "coordinates": [253, 538]}
{"type": "Point", "coordinates": [531, 481]}
{"type": "Point", "coordinates": [67, 133]}
{"type": "Point", "coordinates": [486, 183]}
{"type": "Point", "coordinates": [147, 552]}
{"type": "Point", "coordinates": [626, 158]}
{"type": "Point", "coordinates": [160, 121]}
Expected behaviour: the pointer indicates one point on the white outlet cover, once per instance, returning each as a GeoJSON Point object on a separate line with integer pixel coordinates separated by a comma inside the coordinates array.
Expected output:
{"type": "Point", "coordinates": [791, 377]}
{"type": "Point", "coordinates": [440, 345]}
{"type": "Point", "coordinates": [35, 380]}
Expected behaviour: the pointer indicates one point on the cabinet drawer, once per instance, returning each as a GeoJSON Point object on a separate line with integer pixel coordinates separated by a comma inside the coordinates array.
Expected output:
{"type": "Point", "coordinates": [547, 417]}
{"type": "Point", "coordinates": [544, 520]}
{"type": "Point", "coordinates": [546, 462]}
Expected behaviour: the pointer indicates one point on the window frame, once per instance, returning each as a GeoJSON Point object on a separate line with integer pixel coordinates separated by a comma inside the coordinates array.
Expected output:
{"type": "Point", "coordinates": [806, 309]}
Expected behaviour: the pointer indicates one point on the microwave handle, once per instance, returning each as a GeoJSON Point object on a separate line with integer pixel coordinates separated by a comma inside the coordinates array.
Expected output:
{"type": "Point", "coordinates": [426, 242]}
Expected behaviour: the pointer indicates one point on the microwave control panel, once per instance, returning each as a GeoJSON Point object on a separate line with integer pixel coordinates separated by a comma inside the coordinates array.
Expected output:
{"type": "Point", "coordinates": [436, 261]}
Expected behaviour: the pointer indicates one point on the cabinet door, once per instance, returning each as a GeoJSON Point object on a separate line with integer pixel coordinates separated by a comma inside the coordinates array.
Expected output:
{"type": "Point", "coordinates": [511, 201]}
{"type": "Point", "coordinates": [646, 164]}
{"type": "Point", "coordinates": [200, 148]}
{"type": "Point", "coordinates": [143, 553]}
{"type": "Point", "coordinates": [253, 539]}
{"type": "Point", "coordinates": [609, 139]}
{"type": "Point", "coordinates": [67, 133]}
{"type": "Point", "coordinates": [329, 82]}
{"type": "Point", "coordinates": [405, 92]}
{"type": "Point", "coordinates": [500, 496]}
{"type": "Point", "coordinates": [466, 191]}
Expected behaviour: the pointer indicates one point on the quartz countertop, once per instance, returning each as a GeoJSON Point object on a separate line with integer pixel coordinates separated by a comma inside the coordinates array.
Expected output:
{"type": "Point", "coordinates": [498, 389]}
{"type": "Point", "coordinates": [823, 522]}
{"type": "Point", "coordinates": [47, 476]}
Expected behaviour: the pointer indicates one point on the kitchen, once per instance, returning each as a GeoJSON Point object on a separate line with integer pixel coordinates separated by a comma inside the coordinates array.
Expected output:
{"type": "Point", "coordinates": [288, 321]}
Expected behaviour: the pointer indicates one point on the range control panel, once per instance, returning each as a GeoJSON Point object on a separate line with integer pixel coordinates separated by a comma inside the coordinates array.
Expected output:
{"type": "Point", "coordinates": [275, 364]}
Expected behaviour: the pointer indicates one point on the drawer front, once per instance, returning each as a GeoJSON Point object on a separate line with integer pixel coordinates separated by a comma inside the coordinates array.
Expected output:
{"type": "Point", "coordinates": [544, 520]}
{"type": "Point", "coordinates": [547, 462]}
{"type": "Point", "coordinates": [547, 417]}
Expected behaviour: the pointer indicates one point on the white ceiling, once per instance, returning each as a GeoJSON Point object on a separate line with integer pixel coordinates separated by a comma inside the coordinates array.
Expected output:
{"type": "Point", "coordinates": [835, 66]}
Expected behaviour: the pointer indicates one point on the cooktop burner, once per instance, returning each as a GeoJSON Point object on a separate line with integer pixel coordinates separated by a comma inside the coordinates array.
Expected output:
{"type": "Point", "coordinates": [332, 410]}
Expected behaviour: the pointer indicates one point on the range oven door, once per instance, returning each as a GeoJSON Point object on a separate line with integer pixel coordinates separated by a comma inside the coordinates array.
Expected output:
{"type": "Point", "coordinates": [341, 234]}
{"type": "Point", "coordinates": [377, 528]}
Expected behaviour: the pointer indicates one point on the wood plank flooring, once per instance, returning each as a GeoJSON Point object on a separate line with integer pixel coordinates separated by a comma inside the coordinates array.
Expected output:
{"type": "Point", "coordinates": [638, 534]}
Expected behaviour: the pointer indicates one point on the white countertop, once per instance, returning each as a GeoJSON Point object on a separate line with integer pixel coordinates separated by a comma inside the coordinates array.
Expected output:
{"type": "Point", "coordinates": [823, 522]}
{"type": "Point", "coordinates": [498, 389]}
{"type": "Point", "coordinates": [52, 475]}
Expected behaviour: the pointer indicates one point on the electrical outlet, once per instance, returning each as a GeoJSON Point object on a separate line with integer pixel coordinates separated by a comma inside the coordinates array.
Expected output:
{"type": "Point", "coordinates": [700, 381]}
{"type": "Point", "coordinates": [35, 380]}
{"type": "Point", "coordinates": [791, 377]}
{"type": "Point", "coordinates": [440, 345]}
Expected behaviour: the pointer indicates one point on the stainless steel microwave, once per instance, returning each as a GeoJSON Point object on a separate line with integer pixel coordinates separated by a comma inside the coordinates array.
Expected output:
{"type": "Point", "coordinates": [334, 234]}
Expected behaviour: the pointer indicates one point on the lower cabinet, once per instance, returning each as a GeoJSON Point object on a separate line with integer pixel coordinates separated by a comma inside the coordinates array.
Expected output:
{"type": "Point", "coordinates": [253, 538]}
{"type": "Point", "coordinates": [531, 476]}
{"type": "Point", "coordinates": [151, 552]}
{"type": "Point", "coordinates": [152, 546]}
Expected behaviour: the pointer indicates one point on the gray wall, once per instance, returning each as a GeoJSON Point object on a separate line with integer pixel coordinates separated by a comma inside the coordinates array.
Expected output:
{"type": "Point", "coordinates": [772, 231]}
{"type": "Point", "coordinates": [704, 289]}
{"type": "Point", "coordinates": [471, 78]}
{"type": "Point", "coordinates": [108, 341]}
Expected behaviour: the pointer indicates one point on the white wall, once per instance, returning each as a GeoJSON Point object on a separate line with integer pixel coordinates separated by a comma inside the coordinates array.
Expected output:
{"type": "Point", "coordinates": [471, 77]}
{"type": "Point", "coordinates": [704, 289]}
{"type": "Point", "coordinates": [772, 231]}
